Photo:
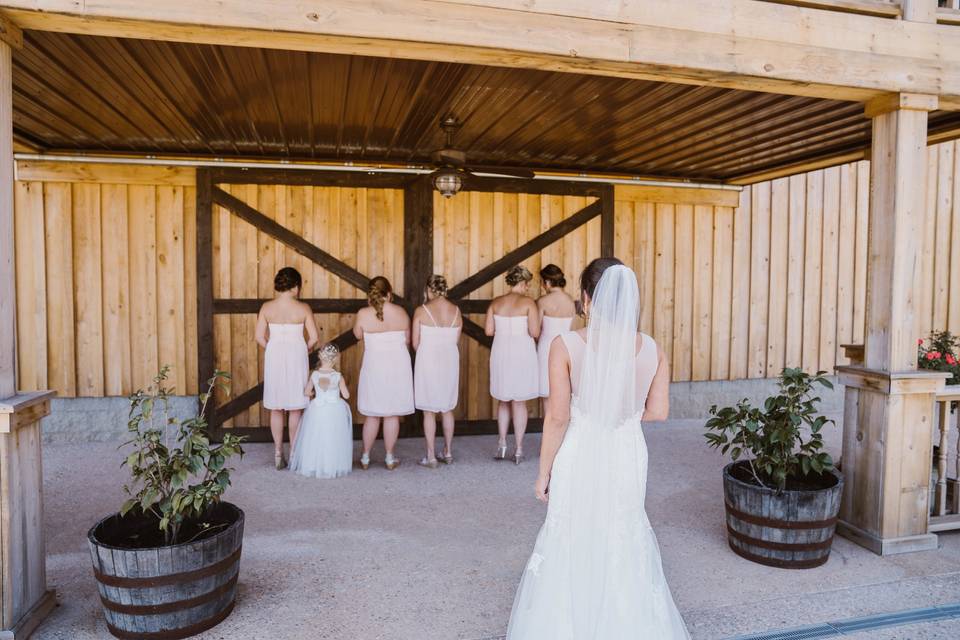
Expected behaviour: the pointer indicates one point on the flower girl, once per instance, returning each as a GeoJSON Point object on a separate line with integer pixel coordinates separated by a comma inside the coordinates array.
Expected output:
{"type": "Point", "coordinates": [324, 446]}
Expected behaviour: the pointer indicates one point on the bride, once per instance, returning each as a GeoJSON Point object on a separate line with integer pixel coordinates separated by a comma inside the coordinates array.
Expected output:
{"type": "Point", "coordinates": [595, 571]}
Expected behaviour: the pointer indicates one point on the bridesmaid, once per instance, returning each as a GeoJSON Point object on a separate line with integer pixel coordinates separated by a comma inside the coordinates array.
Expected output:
{"type": "Point", "coordinates": [280, 326]}
{"type": "Point", "coordinates": [436, 375]}
{"type": "Point", "coordinates": [514, 322]}
{"type": "Point", "coordinates": [386, 377]}
{"type": "Point", "coordinates": [557, 309]}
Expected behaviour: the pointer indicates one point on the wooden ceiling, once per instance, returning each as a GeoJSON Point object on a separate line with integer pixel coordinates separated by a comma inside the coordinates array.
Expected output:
{"type": "Point", "coordinates": [101, 94]}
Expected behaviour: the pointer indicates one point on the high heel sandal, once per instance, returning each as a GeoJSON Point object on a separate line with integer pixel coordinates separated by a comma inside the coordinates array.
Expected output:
{"type": "Point", "coordinates": [390, 462]}
{"type": "Point", "coordinates": [279, 461]}
{"type": "Point", "coordinates": [365, 461]}
{"type": "Point", "coordinates": [518, 457]}
{"type": "Point", "coordinates": [446, 458]}
{"type": "Point", "coordinates": [430, 463]}
{"type": "Point", "coordinates": [501, 453]}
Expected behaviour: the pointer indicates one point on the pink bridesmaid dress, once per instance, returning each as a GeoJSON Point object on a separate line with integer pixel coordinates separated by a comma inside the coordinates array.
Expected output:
{"type": "Point", "coordinates": [436, 375]}
{"type": "Point", "coordinates": [549, 329]}
{"type": "Point", "coordinates": [386, 375]}
{"type": "Point", "coordinates": [513, 360]}
{"type": "Point", "coordinates": [285, 367]}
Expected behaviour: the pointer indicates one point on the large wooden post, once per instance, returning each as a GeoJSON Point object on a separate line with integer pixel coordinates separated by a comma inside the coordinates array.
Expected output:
{"type": "Point", "coordinates": [888, 417]}
{"type": "Point", "coordinates": [24, 598]}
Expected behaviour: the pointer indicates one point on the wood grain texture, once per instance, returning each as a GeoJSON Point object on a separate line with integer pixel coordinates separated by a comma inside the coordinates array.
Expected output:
{"type": "Point", "coordinates": [815, 227]}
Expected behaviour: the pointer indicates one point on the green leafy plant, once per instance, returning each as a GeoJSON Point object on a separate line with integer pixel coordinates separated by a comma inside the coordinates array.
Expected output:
{"type": "Point", "coordinates": [939, 353]}
{"type": "Point", "coordinates": [177, 474]}
{"type": "Point", "coordinates": [784, 439]}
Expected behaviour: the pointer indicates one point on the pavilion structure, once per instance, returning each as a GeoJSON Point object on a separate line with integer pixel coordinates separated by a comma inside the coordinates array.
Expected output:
{"type": "Point", "coordinates": [717, 92]}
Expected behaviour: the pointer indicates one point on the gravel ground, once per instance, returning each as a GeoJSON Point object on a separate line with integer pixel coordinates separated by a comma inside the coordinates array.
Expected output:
{"type": "Point", "coordinates": [422, 554]}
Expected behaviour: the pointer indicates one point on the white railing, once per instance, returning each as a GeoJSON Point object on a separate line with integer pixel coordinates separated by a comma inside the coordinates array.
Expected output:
{"type": "Point", "coordinates": [945, 504]}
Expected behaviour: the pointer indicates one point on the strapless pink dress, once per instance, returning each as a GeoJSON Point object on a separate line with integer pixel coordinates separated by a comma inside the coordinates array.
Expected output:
{"type": "Point", "coordinates": [549, 329]}
{"type": "Point", "coordinates": [385, 387]}
{"type": "Point", "coordinates": [513, 360]}
{"type": "Point", "coordinates": [436, 374]}
{"type": "Point", "coordinates": [285, 368]}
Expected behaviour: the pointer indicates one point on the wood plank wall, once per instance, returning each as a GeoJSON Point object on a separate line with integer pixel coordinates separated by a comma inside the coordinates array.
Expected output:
{"type": "Point", "coordinates": [472, 230]}
{"type": "Point", "coordinates": [106, 283]}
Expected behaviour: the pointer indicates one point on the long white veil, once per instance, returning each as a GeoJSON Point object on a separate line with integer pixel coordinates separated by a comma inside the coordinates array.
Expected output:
{"type": "Point", "coordinates": [606, 399]}
{"type": "Point", "coordinates": [608, 380]}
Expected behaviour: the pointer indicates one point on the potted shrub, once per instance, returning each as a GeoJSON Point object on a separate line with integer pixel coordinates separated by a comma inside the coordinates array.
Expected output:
{"type": "Point", "coordinates": [167, 564]}
{"type": "Point", "coordinates": [939, 353]}
{"type": "Point", "coordinates": [781, 490]}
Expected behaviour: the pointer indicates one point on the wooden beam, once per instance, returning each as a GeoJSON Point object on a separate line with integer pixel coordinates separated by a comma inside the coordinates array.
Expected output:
{"type": "Point", "coordinates": [472, 330]}
{"type": "Point", "coordinates": [417, 240]}
{"type": "Point", "coordinates": [489, 184]}
{"type": "Point", "coordinates": [10, 33]}
{"type": "Point", "coordinates": [318, 305]}
{"type": "Point", "coordinates": [677, 195]}
{"type": "Point", "coordinates": [8, 294]}
{"type": "Point", "coordinates": [521, 253]}
{"type": "Point", "coordinates": [741, 44]}
{"type": "Point", "coordinates": [205, 343]}
{"type": "Point", "coordinates": [608, 221]}
{"type": "Point", "coordinates": [901, 101]}
{"type": "Point", "coordinates": [948, 16]}
{"type": "Point", "coordinates": [292, 240]}
{"type": "Point", "coordinates": [879, 8]}
{"type": "Point", "coordinates": [801, 167]}
{"type": "Point", "coordinates": [472, 306]}
{"type": "Point", "coordinates": [105, 173]}
{"type": "Point", "coordinates": [371, 179]}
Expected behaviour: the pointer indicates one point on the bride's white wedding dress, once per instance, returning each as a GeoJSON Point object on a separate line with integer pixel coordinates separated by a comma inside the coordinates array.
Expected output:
{"type": "Point", "coordinates": [595, 571]}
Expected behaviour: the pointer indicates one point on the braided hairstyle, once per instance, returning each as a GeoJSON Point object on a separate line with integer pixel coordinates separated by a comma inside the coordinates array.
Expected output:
{"type": "Point", "coordinates": [287, 278]}
{"type": "Point", "coordinates": [329, 352]}
{"type": "Point", "coordinates": [437, 285]}
{"type": "Point", "coordinates": [553, 275]}
{"type": "Point", "coordinates": [378, 291]}
{"type": "Point", "coordinates": [518, 274]}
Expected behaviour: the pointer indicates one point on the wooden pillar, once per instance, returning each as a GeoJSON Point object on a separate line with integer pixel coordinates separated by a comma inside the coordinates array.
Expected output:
{"type": "Point", "coordinates": [24, 598]}
{"type": "Point", "coordinates": [417, 261]}
{"type": "Point", "coordinates": [920, 10]}
{"type": "Point", "coordinates": [889, 404]}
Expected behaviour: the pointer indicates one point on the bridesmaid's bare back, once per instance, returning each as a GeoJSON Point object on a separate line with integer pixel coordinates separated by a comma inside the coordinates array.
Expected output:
{"type": "Point", "coordinates": [443, 312]}
{"type": "Point", "coordinates": [395, 318]}
{"type": "Point", "coordinates": [557, 304]}
{"type": "Point", "coordinates": [512, 304]}
{"type": "Point", "coordinates": [285, 310]}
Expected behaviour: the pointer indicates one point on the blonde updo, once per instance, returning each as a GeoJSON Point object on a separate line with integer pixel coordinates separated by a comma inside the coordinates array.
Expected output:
{"type": "Point", "coordinates": [518, 274]}
{"type": "Point", "coordinates": [329, 352]}
{"type": "Point", "coordinates": [378, 291]}
{"type": "Point", "coordinates": [437, 285]}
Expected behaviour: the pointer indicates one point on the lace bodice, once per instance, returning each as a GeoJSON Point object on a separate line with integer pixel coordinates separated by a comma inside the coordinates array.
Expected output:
{"type": "Point", "coordinates": [326, 384]}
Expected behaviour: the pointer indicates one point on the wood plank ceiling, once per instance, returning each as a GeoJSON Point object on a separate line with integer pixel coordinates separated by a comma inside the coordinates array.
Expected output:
{"type": "Point", "coordinates": [100, 94]}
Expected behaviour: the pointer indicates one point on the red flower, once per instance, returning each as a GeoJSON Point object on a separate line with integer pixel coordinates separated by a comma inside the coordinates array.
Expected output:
{"type": "Point", "coordinates": [919, 340]}
{"type": "Point", "coordinates": [951, 360]}
{"type": "Point", "coordinates": [932, 355]}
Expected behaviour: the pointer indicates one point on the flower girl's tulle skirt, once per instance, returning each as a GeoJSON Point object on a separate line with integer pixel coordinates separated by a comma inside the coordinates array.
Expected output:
{"type": "Point", "coordinates": [324, 446]}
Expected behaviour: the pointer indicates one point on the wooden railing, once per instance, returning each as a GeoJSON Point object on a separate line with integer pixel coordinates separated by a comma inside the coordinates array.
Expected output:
{"type": "Point", "coordinates": [945, 481]}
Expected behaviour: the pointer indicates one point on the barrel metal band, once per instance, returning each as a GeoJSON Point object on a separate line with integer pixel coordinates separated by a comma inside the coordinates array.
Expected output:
{"type": "Point", "coordinates": [776, 562]}
{"type": "Point", "coordinates": [168, 607]}
{"type": "Point", "coordinates": [780, 546]}
{"type": "Point", "coordinates": [174, 634]}
{"type": "Point", "coordinates": [779, 524]}
{"type": "Point", "coordinates": [174, 578]}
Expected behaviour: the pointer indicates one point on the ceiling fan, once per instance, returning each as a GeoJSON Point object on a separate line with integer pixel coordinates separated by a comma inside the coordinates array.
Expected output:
{"type": "Point", "coordinates": [451, 164]}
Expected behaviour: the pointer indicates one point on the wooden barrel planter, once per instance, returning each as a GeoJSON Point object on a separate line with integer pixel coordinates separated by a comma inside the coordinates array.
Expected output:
{"type": "Point", "coordinates": [167, 592]}
{"type": "Point", "coordinates": [792, 529]}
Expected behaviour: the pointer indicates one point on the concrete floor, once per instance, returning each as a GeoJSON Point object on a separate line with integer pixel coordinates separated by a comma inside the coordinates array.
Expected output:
{"type": "Point", "coordinates": [421, 554]}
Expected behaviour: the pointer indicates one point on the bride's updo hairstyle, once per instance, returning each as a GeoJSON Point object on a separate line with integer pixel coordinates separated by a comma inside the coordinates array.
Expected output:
{"type": "Point", "coordinates": [437, 285]}
{"type": "Point", "coordinates": [287, 278]}
{"type": "Point", "coordinates": [378, 291]}
{"type": "Point", "coordinates": [590, 277]}
{"type": "Point", "coordinates": [518, 274]}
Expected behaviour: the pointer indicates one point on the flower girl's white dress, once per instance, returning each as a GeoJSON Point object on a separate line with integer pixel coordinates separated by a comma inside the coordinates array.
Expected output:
{"type": "Point", "coordinates": [324, 446]}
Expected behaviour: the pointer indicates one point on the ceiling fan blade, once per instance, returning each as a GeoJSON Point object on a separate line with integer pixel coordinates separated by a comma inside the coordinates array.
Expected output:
{"type": "Point", "coordinates": [510, 172]}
